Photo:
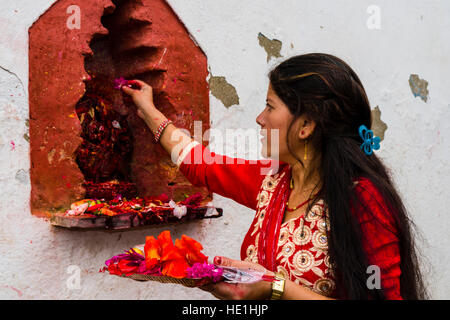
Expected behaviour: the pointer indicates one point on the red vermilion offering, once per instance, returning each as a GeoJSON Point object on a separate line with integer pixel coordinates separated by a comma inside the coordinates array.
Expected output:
{"type": "Point", "coordinates": [123, 213]}
{"type": "Point", "coordinates": [120, 205]}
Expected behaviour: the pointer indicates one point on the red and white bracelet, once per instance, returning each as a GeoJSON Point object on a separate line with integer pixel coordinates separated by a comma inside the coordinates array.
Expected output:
{"type": "Point", "coordinates": [161, 128]}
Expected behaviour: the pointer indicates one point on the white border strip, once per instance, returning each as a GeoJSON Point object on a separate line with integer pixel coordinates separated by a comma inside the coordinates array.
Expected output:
{"type": "Point", "coordinates": [186, 151]}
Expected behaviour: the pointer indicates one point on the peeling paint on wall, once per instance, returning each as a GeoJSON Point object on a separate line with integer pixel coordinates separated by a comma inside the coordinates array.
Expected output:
{"type": "Point", "coordinates": [272, 47]}
{"type": "Point", "coordinates": [223, 91]}
{"type": "Point", "coordinates": [26, 135]}
{"type": "Point", "coordinates": [419, 87]}
{"type": "Point", "coordinates": [378, 126]}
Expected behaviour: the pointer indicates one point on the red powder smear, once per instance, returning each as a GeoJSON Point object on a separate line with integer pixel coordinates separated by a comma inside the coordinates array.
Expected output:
{"type": "Point", "coordinates": [13, 146]}
{"type": "Point", "coordinates": [19, 293]}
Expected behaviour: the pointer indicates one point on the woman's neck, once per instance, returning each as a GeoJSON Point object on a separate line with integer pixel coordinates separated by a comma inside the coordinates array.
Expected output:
{"type": "Point", "coordinates": [305, 178]}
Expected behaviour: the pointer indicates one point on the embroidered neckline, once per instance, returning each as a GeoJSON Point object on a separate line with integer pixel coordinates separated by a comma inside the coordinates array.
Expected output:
{"type": "Point", "coordinates": [303, 215]}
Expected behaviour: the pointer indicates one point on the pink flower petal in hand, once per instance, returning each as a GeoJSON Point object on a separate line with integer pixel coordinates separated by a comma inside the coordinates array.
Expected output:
{"type": "Point", "coordinates": [120, 82]}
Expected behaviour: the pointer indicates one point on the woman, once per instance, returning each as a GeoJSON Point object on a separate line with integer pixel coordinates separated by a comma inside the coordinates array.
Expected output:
{"type": "Point", "coordinates": [329, 223]}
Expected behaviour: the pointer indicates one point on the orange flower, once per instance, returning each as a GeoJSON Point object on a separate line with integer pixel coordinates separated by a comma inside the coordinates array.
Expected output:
{"type": "Point", "coordinates": [165, 240]}
{"type": "Point", "coordinates": [173, 262]}
{"type": "Point", "coordinates": [173, 259]}
{"type": "Point", "coordinates": [191, 250]}
{"type": "Point", "coordinates": [151, 252]}
{"type": "Point", "coordinates": [107, 212]}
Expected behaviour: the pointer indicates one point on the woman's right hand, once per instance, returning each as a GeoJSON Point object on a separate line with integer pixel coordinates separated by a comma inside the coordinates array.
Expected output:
{"type": "Point", "coordinates": [142, 95]}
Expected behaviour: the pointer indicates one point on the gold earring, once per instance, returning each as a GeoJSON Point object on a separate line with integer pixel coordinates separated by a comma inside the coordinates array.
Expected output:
{"type": "Point", "coordinates": [306, 150]}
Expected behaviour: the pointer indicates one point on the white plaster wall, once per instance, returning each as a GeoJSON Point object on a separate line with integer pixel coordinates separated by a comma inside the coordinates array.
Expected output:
{"type": "Point", "coordinates": [413, 39]}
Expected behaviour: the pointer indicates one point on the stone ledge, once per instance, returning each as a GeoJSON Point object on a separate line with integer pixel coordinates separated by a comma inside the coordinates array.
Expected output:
{"type": "Point", "coordinates": [131, 221]}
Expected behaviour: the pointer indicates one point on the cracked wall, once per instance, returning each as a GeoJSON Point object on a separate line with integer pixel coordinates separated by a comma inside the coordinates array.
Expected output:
{"type": "Point", "coordinates": [35, 256]}
{"type": "Point", "coordinates": [378, 126]}
{"type": "Point", "coordinates": [223, 91]}
{"type": "Point", "coordinates": [271, 46]}
{"type": "Point", "coordinates": [419, 87]}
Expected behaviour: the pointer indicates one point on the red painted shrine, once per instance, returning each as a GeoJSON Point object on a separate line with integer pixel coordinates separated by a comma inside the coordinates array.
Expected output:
{"type": "Point", "coordinates": [86, 139]}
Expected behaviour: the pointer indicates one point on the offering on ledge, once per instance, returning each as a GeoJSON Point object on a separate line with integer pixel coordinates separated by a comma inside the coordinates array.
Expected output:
{"type": "Point", "coordinates": [122, 213]}
{"type": "Point", "coordinates": [145, 205]}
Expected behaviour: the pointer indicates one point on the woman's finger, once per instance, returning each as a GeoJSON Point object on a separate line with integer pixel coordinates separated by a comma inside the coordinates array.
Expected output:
{"type": "Point", "coordinates": [227, 262]}
{"type": "Point", "coordinates": [207, 287]}
{"type": "Point", "coordinates": [128, 90]}
{"type": "Point", "coordinates": [141, 85]}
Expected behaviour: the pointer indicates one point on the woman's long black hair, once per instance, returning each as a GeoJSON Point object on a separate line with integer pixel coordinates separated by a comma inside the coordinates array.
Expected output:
{"type": "Point", "coordinates": [324, 89]}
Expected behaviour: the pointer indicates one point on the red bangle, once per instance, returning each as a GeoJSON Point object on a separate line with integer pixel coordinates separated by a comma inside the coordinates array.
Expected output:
{"type": "Point", "coordinates": [161, 128]}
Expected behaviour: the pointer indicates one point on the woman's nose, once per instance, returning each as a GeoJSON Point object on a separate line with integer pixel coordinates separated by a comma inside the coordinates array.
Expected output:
{"type": "Point", "coordinates": [259, 120]}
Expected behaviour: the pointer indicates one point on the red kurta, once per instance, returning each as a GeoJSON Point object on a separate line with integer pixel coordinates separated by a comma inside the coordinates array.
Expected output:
{"type": "Point", "coordinates": [301, 252]}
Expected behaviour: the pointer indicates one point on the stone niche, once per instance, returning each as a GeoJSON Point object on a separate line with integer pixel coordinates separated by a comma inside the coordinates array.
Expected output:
{"type": "Point", "coordinates": [74, 106]}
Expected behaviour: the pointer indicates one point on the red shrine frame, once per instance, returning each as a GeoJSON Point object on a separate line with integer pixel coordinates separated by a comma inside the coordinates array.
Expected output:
{"type": "Point", "coordinates": [83, 132]}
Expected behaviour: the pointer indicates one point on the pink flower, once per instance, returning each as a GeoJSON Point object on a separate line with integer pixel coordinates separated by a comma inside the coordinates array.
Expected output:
{"type": "Point", "coordinates": [120, 82]}
{"type": "Point", "coordinates": [193, 201]}
{"type": "Point", "coordinates": [205, 270]}
{"type": "Point", "coordinates": [130, 262]}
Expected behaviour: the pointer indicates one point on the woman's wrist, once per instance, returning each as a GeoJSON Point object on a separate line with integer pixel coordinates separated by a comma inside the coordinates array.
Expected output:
{"type": "Point", "coordinates": [278, 286]}
{"type": "Point", "coordinates": [148, 110]}
{"type": "Point", "coordinates": [268, 285]}
{"type": "Point", "coordinates": [153, 117]}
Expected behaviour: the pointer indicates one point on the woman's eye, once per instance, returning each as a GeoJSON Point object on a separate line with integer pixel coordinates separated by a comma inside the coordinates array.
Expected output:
{"type": "Point", "coordinates": [270, 108]}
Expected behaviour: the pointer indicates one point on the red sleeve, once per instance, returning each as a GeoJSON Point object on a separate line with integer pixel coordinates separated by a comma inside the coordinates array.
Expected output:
{"type": "Point", "coordinates": [379, 237]}
{"type": "Point", "coordinates": [233, 178]}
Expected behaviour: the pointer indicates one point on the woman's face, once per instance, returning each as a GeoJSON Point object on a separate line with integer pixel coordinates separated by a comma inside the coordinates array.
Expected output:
{"type": "Point", "coordinates": [274, 121]}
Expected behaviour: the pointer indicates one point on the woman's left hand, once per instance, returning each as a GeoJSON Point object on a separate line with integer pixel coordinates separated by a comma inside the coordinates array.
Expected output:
{"type": "Point", "coordinates": [239, 291]}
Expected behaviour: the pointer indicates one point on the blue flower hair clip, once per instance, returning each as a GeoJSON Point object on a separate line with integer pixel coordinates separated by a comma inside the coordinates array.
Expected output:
{"type": "Point", "coordinates": [370, 142]}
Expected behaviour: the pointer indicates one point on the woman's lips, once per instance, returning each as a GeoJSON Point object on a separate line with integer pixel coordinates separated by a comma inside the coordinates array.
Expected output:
{"type": "Point", "coordinates": [263, 135]}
